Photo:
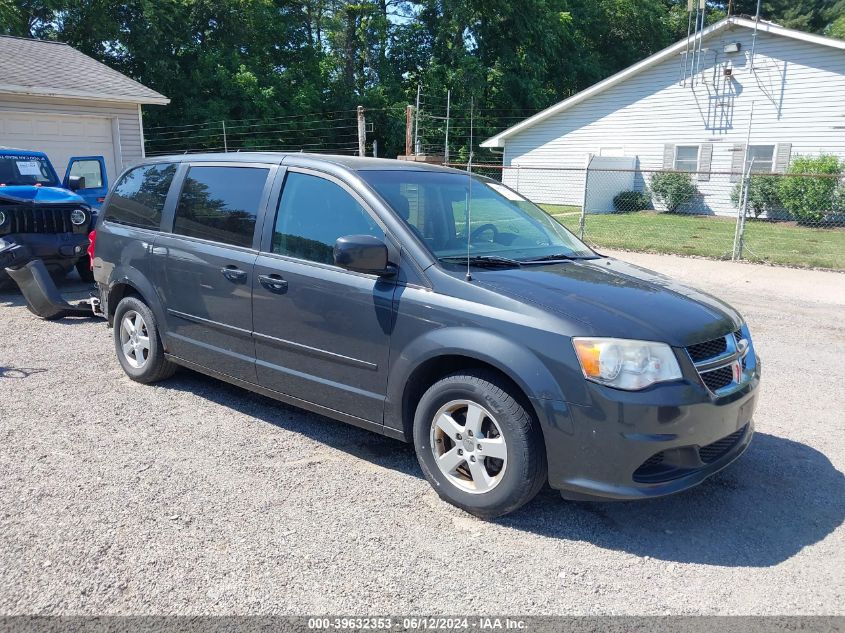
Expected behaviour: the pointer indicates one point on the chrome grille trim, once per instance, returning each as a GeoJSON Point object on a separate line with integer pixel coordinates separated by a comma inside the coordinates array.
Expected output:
{"type": "Point", "coordinates": [713, 371]}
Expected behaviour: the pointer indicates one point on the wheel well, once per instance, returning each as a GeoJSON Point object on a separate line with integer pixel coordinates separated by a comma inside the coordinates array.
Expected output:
{"type": "Point", "coordinates": [118, 292]}
{"type": "Point", "coordinates": [436, 368]}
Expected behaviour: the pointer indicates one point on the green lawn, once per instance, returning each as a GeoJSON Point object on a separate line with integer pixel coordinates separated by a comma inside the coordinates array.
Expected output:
{"type": "Point", "coordinates": [708, 236]}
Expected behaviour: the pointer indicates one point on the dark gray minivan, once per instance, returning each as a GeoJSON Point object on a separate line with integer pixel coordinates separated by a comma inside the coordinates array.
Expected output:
{"type": "Point", "coordinates": [433, 306]}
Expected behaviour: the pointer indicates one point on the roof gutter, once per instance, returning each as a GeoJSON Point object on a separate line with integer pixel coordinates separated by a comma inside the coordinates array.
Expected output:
{"type": "Point", "coordinates": [12, 89]}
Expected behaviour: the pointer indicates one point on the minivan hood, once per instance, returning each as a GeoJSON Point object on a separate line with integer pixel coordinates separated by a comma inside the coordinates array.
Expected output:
{"type": "Point", "coordinates": [617, 299]}
{"type": "Point", "coordinates": [47, 195]}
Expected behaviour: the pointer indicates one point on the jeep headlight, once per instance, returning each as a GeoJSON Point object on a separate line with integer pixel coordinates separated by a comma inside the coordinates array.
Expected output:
{"type": "Point", "coordinates": [2, 218]}
{"type": "Point", "coordinates": [626, 364]}
{"type": "Point", "coordinates": [78, 217]}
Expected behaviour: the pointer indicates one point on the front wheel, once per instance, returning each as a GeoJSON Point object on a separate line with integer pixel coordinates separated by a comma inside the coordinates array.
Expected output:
{"type": "Point", "coordinates": [138, 343]}
{"type": "Point", "coordinates": [477, 445]}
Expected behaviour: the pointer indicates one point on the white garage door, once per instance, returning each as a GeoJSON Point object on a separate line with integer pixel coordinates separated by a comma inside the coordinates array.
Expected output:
{"type": "Point", "coordinates": [60, 137]}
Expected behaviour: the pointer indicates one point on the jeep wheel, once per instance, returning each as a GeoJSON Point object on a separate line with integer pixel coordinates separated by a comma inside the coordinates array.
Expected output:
{"type": "Point", "coordinates": [477, 445]}
{"type": "Point", "coordinates": [137, 342]}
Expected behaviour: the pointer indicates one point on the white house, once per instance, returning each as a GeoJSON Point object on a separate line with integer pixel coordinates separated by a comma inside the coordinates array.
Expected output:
{"type": "Point", "coordinates": [55, 99]}
{"type": "Point", "coordinates": [685, 111]}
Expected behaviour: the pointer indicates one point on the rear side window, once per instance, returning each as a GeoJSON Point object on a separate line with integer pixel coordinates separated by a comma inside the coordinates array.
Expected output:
{"type": "Point", "coordinates": [220, 204]}
{"type": "Point", "coordinates": [138, 198]}
{"type": "Point", "coordinates": [313, 213]}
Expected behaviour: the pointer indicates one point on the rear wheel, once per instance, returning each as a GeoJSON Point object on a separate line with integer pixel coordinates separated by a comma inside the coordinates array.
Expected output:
{"type": "Point", "coordinates": [138, 344]}
{"type": "Point", "coordinates": [478, 446]}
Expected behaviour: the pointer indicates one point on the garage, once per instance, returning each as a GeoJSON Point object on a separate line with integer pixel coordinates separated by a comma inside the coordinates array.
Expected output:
{"type": "Point", "coordinates": [62, 136]}
{"type": "Point", "coordinates": [80, 108]}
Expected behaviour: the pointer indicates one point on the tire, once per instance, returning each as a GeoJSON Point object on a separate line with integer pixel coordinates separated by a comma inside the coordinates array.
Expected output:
{"type": "Point", "coordinates": [144, 361]}
{"type": "Point", "coordinates": [468, 410]}
{"type": "Point", "coordinates": [83, 269]}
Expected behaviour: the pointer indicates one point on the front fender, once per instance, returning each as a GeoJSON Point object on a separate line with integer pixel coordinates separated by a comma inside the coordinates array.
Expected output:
{"type": "Point", "coordinates": [515, 361]}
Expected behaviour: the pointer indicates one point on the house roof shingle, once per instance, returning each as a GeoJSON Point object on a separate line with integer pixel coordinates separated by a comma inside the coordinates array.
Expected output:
{"type": "Point", "coordinates": [54, 69]}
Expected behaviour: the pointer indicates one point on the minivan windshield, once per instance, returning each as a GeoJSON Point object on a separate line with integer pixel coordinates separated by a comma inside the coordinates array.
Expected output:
{"type": "Point", "coordinates": [26, 170]}
{"type": "Point", "coordinates": [502, 226]}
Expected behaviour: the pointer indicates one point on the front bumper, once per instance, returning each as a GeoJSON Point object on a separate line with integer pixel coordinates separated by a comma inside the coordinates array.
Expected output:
{"type": "Point", "coordinates": [56, 250]}
{"type": "Point", "coordinates": [634, 445]}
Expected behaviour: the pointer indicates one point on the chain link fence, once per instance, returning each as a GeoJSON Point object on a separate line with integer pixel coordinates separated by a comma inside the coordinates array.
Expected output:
{"type": "Point", "coordinates": [786, 219]}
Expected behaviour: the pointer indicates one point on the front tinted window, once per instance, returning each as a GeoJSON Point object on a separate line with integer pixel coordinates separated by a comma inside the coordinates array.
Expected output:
{"type": "Point", "coordinates": [313, 213]}
{"type": "Point", "coordinates": [138, 198]}
{"type": "Point", "coordinates": [220, 203]}
{"type": "Point", "coordinates": [501, 223]}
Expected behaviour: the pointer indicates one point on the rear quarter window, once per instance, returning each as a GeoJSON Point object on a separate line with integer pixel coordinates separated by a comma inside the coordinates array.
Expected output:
{"type": "Point", "coordinates": [138, 198]}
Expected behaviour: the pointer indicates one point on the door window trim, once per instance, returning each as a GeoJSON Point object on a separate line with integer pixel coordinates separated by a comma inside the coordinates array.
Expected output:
{"type": "Point", "coordinates": [266, 245]}
{"type": "Point", "coordinates": [168, 217]}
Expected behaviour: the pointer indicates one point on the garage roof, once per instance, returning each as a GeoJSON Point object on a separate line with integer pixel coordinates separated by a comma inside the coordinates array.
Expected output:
{"type": "Point", "coordinates": [54, 69]}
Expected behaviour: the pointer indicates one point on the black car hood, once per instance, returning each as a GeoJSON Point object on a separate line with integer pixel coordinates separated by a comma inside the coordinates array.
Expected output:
{"type": "Point", "coordinates": [617, 299]}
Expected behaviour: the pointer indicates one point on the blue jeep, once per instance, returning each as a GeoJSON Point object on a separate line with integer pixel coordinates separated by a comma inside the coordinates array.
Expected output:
{"type": "Point", "coordinates": [43, 218]}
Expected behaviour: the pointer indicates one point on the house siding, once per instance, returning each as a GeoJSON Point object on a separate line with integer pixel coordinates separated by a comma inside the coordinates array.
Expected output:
{"type": "Point", "coordinates": [130, 145]}
{"type": "Point", "coordinates": [797, 89]}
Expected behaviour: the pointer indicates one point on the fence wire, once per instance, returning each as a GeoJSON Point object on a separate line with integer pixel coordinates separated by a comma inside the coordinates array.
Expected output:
{"type": "Point", "coordinates": [787, 219]}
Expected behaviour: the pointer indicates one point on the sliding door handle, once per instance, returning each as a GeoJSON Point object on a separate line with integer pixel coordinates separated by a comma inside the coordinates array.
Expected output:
{"type": "Point", "coordinates": [273, 283]}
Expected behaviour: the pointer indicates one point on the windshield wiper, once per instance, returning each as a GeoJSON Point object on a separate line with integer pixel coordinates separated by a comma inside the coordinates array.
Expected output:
{"type": "Point", "coordinates": [481, 260]}
{"type": "Point", "coordinates": [556, 257]}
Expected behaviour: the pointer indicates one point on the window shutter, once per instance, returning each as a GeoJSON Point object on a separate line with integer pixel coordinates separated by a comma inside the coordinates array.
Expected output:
{"type": "Point", "coordinates": [705, 158]}
{"type": "Point", "coordinates": [782, 155]}
{"type": "Point", "coordinates": [668, 156]}
{"type": "Point", "coordinates": [737, 167]}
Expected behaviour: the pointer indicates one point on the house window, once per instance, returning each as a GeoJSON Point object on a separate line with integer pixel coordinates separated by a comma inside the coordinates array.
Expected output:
{"type": "Point", "coordinates": [760, 158]}
{"type": "Point", "coordinates": [686, 158]}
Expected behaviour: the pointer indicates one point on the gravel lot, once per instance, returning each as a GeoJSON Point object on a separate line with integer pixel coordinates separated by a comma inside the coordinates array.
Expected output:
{"type": "Point", "coordinates": [195, 497]}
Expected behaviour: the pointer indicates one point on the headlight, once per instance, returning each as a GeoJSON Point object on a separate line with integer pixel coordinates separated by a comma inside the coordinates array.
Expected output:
{"type": "Point", "coordinates": [78, 217]}
{"type": "Point", "coordinates": [626, 364]}
{"type": "Point", "coordinates": [2, 218]}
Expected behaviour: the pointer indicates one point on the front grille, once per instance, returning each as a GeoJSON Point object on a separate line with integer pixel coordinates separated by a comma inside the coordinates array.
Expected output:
{"type": "Point", "coordinates": [715, 361]}
{"type": "Point", "coordinates": [707, 349]}
{"type": "Point", "coordinates": [33, 218]}
{"type": "Point", "coordinates": [718, 378]}
{"type": "Point", "coordinates": [718, 449]}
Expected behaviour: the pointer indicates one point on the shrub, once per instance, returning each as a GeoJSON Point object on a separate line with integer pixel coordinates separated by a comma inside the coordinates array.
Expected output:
{"type": "Point", "coordinates": [810, 198]}
{"type": "Point", "coordinates": [625, 201]}
{"type": "Point", "coordinates": [763, 195]}
{"type": "Point", "coordinates": [673, 188]}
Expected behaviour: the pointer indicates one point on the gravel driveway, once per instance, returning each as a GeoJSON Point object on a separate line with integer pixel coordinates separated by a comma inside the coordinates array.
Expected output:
{"type": "Point", "coordinates": [196, 497]}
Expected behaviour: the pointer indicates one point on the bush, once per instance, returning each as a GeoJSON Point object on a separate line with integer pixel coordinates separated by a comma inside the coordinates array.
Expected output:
{"type": "Point", "coordinates": [763, 195]}
{"type": "Point", "coordinates": [625, 201]}
{"type": "Point", "coordinates": [673, 188]}
{"type": "Point", "coordinates": [810, 198]}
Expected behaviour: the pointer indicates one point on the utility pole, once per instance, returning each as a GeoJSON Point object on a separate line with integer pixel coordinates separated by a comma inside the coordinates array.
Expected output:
{"type": "Point", "coordinates": [448, 104]}
{"type": "Point", "coordinates": [362, 132]}
{"type": "Point", "coordinates": [409, 114]}
{"type": "Point", "coordinates": [417, 122]}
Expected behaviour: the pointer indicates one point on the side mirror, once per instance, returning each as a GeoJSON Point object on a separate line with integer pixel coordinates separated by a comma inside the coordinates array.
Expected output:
{"type": "Point", "coordinates": [75, 183]}
{"type": "Point", "coordinates": [363, 254]}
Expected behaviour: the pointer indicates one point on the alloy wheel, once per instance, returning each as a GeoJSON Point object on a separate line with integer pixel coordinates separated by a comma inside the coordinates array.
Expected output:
{"type": "Point", "coordinates": [468, 446]}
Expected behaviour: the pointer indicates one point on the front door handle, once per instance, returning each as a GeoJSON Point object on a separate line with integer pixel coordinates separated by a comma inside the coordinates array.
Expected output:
{"type": "Point", "coordinates": [273, 283]}
{"type": "Point", "coordinates": [233, 273]}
